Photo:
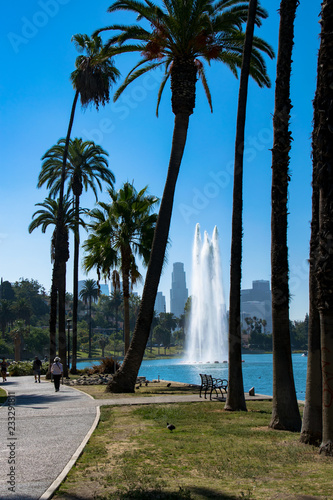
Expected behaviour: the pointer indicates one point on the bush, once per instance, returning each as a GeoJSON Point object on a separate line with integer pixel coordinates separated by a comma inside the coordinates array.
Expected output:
{"type": "Point", "coordinates": [106, 366]}
{"type": "Point", "coordinates": [21, 368]}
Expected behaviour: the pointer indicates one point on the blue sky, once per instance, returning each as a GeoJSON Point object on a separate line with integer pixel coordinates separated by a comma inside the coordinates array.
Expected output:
{"type": "Point", "coordinates": [36, 98]}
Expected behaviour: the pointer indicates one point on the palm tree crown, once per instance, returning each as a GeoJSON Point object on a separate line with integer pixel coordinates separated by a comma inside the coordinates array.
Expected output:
{"type": "Point", "coordinates": [86, 166]}
{"type": "Point", "coordinates": [183, 35]}
{"type": "Point", "coordinates": [89, 291]}
{"type": "Point", "coordinates": [47, 215]}
{"type": "Point", "coordinates": [122, 229]}
{"type": "Point", "coordinates": [95, 71]}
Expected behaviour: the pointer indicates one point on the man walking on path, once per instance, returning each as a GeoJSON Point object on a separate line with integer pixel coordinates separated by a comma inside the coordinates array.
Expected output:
{"type": "Point", "coordinates": [36, 367]}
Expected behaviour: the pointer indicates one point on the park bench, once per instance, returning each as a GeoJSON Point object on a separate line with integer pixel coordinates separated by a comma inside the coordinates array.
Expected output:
{"type": "Point", "coordinates": [210, 384]}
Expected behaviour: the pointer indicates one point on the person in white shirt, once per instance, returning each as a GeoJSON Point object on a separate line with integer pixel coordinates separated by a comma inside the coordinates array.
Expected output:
{"type": "Point", "coordinates": [56, 370]}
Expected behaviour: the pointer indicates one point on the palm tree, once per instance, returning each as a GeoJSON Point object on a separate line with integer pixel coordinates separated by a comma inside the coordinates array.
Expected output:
{"type": "Point", "coordinates": [44, 217]}
{"type": "Point", "coordinates": [181, 34]}
{"type": "Point", "coordinates": [86, 167]}
{"type": "Point", "coordinates": [311, 432]}
{"type": "Point", "coordinates": [116, 295]}
{"type": "Point", "coordinates": [6, 314]}
{"type": "Point", "coordinates": [235, 397]}
{"type": "Point", "coordinates": [285, 412]}
{"type": "Point", "coordinates": [122, 228]}
{"type": "Point", "coordinates": [88, 293]}
{"type": "Point", "coordinates": [322, 157]}
{"type": "Point", "coordinates": [91, 80]}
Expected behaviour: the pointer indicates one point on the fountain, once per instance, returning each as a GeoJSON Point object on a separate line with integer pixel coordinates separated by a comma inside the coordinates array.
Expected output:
{"type": "Point", "coordinates": [207, 331]}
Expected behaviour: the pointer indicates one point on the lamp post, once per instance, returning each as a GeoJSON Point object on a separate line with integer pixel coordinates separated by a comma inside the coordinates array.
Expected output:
{"type": "Point", "coordinates": [68, 343]}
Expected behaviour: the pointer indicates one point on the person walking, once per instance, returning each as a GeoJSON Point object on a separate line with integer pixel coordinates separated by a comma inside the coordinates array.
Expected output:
{"type": "Point", "coordinates": [36, 368]}
{"type": "Point", "coordinates": [57, 370]}
{"type": "Point", "coordinates": [3, 368]}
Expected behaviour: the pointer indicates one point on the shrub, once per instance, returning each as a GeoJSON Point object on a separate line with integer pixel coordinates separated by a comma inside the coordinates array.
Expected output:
{"type": "Point", "coordinates": [21, 368]}
{"type": "Point", "coordinates": [106, 366]}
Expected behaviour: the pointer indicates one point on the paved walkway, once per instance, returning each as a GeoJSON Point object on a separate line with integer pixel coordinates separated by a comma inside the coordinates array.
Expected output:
{"type": "Point", "coordinates": [43, 433]}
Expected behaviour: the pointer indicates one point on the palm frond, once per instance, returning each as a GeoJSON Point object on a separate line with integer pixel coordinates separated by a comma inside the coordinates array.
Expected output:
{"type": "Point", "coordinates": [129, 79]}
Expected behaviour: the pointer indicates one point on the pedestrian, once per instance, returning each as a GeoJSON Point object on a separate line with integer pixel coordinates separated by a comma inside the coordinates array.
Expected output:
{"type": "Point", "coordinates": [56, 370]}
{"type": "Point", "coordinates": [36, 368]}
{"type": "Point", "coordinates": [4, 365]}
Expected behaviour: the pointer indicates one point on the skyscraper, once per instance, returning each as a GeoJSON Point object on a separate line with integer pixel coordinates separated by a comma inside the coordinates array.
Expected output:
{"type": "Point", "coordinates": [257, 301]}
{"type": "Point", "coordinates": [178, 292]}
{"type": "Point", "coordinates": [160, 303]}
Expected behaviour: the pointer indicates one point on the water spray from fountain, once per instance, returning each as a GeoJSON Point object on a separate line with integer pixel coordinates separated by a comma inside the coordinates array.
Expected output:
{"type": "Point", "coordinates": [207, 331]}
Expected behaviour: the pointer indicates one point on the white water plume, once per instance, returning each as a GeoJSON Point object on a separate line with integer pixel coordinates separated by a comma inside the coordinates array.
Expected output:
{"type": "Point", "coordinates": [207, 332]}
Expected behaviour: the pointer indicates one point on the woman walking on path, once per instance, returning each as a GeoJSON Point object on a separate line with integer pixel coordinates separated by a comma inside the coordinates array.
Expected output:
{"type": "Point", "coordinates": [56, 370]}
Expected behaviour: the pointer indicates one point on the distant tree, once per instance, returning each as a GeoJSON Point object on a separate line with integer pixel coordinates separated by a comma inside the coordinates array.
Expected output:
{"type": "Point", "coordinates": [103, 342]}
{"type": "Point", "coordinates": [168, 320]}
{"type": "Point", "coordinates": [89, 293]}
{"type": "Point", "coordinates": [134, 306]}
{"type": "Point", "coordinates": [6, 291]}
{"type": "Point", "coordinates": [34, 293]}
{"type": "Point", "coordinates": [22, 310]}
{"type": "Point", "coordinates": [122, 229]}
{"type": "Point", "coordinates": [161, 336]}
{"type": "Point", "coordinates": [6, 315]}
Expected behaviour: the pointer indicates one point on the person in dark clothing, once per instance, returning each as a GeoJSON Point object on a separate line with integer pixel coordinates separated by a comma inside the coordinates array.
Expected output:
{"type": "Point", "coordinates": [3, 368]}
{"type": "Point", "coordinates": [36, 368]}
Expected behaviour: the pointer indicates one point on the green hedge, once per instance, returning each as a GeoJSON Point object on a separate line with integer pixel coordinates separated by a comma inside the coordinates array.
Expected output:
{"type": "Point", "coordinates": [20, 368]}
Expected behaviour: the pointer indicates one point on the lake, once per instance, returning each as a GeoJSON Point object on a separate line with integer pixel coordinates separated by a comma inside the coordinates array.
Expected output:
{"type": "Point", "coordinates": [257, 371]}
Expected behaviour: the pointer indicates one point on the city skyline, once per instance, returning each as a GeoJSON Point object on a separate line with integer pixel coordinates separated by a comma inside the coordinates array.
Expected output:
{"type": "Point", "coordinates": [37, 95]}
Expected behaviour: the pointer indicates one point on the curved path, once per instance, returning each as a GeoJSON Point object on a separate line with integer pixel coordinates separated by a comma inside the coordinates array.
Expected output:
{"type": "Point", "coordinates": [43, 433]}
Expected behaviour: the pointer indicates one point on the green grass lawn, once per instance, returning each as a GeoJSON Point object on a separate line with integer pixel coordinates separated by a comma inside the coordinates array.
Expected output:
{"type": "Point", "coordinates": [153, 389]}
{"type": "Point", "coordinates": [171, 352]}
{"type": "Point", "coordinates": [212, 454]}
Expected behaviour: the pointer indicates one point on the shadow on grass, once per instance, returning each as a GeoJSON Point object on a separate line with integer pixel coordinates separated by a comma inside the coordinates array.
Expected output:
{"type": "Point", "coordinates": [153, 494]}
{"type": "Point", "coordinates": [190, 389]}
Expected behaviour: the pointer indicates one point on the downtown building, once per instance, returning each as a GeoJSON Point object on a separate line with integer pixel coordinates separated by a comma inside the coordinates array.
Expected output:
{"type": "Point", "coordinates": [178, 292]}
{"type": "Point", "coordinates": [160, 304]}
{"type": "Point", "coordinates": [257, 301]}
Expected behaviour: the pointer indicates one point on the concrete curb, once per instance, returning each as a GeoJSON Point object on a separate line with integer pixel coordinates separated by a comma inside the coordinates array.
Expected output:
{"type": "Point", "coordinates": [57, 482]}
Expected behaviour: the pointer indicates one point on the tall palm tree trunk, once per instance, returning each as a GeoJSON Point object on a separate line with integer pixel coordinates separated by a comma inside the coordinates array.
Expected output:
{"type": "Point", "coordinates": [125, 378]}
{"type": "Point", "coordinates": [323, 154]}
{"type": "Point", "coordinates": [60, 215]}
{"type": "Point", "coordinates": [126, 294]}
{"type": "Point", "coordinates": [285, 412]}
{"type": "Point", "coordinates": [312, 416]}
{"type": "Point", "coordinates": [235, 396]}
{"type": "Point", "coordinates": [61, 316]}
{"type": "Point", "coordinates": [53, 319]}
{"type": "Point", "coordinates": [75, 302]}
{"type": "Point", "coordinates": [75, 281]}
{"type": "Point", "coordinates": [90, 329]}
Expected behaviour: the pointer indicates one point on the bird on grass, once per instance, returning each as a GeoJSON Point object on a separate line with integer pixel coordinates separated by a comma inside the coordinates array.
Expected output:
{"type": "Point", "coordinates": [168, 385]}
{"type": "Point", "coordinates": [171, 427]}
